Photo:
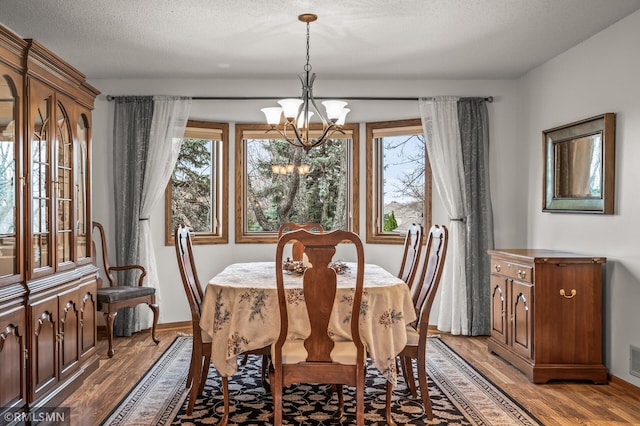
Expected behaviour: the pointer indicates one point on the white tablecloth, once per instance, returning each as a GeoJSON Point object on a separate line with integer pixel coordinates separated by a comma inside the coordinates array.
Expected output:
{"type": "Point", "coordinates": [240, 312]}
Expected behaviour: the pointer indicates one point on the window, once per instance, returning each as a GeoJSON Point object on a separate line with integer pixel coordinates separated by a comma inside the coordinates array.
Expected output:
{"type": "Point", "coordinates": [197, 195]}
{"type": "Point", "coordinates": [398, 180]}
{"type": "Point", "coordinates": [266, 197]}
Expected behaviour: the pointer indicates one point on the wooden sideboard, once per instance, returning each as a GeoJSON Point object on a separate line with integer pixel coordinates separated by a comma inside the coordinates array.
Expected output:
{"type": "Point", "coordinates": [546, 313]}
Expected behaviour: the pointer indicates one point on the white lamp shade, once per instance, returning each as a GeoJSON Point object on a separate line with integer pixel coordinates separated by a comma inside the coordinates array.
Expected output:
{"type": "Point", "coordinates": [290, 107]}
{"type": "Point", "coordinates": [334, 109]}
{"type": "Point", "coordinates": [273, 115]}
{"type": "Point", "coordinates": [343, 117]}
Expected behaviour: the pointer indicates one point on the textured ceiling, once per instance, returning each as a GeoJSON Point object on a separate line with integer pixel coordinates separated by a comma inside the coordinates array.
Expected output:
{"type": "Point", "coordinates": [373, 39]}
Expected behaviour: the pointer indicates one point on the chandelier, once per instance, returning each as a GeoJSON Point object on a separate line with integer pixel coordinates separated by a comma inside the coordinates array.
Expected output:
{"type": "Point", "coordinates": [287, 169]}
{"type": "Point", "coordinates": [295, 127]}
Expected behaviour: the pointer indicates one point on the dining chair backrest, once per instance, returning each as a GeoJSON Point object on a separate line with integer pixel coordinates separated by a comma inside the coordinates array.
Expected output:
{"type": "Point", "coordinates": [413, 243]}
{"type": "Point", "coordinates": [311, 360]}
{"type": "Point", "coordinates": [426, 282]}
{"type": "Point", "coordinates": [298, 248]}
{"type": "Point", "coordinates": [188, 273]}
{"type": "Point", "coordinates": [319, 288]}
{"type": "Point", "coordinates": [423, 289]}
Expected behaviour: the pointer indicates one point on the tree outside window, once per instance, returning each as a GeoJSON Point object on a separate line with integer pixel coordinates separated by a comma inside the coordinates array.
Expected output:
{"type": "Point", "coordinates": [196, 196]}
{"type": "Point", "coordinates": [325, 193]}
{"type": "Point", "coordinates": [398, 180]}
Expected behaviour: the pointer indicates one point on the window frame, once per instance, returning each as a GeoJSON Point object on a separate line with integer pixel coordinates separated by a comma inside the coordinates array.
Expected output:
{"type": "Point", "coordinates": [375, 234]}
{"type": "Point", "coordinates": [221, 192]}
{"type": "Point", "coordinates": [241, 235]}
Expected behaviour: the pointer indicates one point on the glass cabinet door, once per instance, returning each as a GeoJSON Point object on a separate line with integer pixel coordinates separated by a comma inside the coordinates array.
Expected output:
{"type": "Point", "coordinates": [40, 182]}
{"type": "Point", "coordinates": [8, 176]}
{"type": "Point", "coordinates": [64, 186]}
{"type": "Point", "coordinates": [81, 179]}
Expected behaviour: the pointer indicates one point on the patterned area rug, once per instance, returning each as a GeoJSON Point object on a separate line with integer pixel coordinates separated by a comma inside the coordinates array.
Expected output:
{"type": "Point", "coordinates": [460, 395]}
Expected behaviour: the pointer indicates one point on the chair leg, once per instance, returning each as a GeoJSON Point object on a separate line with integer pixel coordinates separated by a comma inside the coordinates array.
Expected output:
{"type": "Point", "coordinates": [276, 393]}
{"type": "Point", "coordinates": [196, 358]}
{"type": "Point", "coordinates": [245, 358]}
{"type": "Point", "coordinates": [407, 372]}
{"type": "Point", "coordinates": [225, 392]}
{"type": "Point", "coordinates": [205, 373]}
{"type": "Point", "coordinates": [390, 421]}
{"type": "Point", "coordinates": [360, 382]}
{"type": "Point", "coordinates": [339, 391]}
{"type": "Point", "coordinates": [156, 312]}
{"type": "Point", "coordinates": [110, 317]}
{"type": "Point", "coordinates": [193, 392]}
{"type": "Point", "coordinates": [265, 373]}
{"type": "Point", "coordinates": [424, 389]}
{"type": "Point", "coordinates": [192, 366]}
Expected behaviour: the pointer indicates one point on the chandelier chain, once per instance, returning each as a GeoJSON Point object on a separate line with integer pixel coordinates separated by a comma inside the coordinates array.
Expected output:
{"type": "Point", "coordinates": [307, 67]}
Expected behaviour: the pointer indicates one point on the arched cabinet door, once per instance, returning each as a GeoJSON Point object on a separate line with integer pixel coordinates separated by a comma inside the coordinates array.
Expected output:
{"type": "Point", "coordinates": [10, 175]}
{"type": "Point", "coordinates": [39, 209]}
{"type": "Point", "coordinates": [82, 186]}
{"type": "Point", "coordinates": [64, 190]}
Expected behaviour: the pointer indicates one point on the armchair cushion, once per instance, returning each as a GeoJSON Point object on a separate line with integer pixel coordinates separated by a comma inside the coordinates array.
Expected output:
{"type": "Point", "coordinates": [122, 292]}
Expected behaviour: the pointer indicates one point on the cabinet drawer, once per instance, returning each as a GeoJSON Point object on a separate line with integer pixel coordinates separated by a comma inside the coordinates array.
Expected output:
{"type": "Point", "coordinates": [512, 270]}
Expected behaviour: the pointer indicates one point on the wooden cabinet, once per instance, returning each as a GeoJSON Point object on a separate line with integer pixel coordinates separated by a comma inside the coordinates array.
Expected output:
{"type": "Point", "coordinates": [13, 372]}
{"type": "Point", "coordinates": [47, 278]}
{"type": "Point", "coordinates": [546, 313]}
{"type": "Point", "coordinates": [62, 334]}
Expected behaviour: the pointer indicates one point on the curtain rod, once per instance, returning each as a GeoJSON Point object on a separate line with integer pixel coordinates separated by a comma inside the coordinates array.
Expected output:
{"type": "Point", "coordinates": [348, 98]}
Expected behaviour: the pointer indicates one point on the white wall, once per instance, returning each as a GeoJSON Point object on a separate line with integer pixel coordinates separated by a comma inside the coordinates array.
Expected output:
{"type": "Point", "coordinates": [507, 178]}
{"type": "Point", "coordinates": [597, 76]}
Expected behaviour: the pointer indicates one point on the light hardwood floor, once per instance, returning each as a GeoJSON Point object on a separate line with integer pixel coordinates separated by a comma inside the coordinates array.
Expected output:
{"type": "Point", "coordinates": [557, 403]}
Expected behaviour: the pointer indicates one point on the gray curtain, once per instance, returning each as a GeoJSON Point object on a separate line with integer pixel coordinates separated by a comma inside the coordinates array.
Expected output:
{"type": "Point", "coordinates": [131, 129]}
{"type": "Point", "coordinates": [474, 135]}
{"type": "Point", "coordinates": [147, 134]}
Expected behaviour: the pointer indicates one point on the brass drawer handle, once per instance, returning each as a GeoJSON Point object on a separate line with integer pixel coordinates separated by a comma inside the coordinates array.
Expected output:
{"type": "Point", "coordinates": [497, 268]}
{"type": "Point", "coordinates": [564, 294]}
{"type": "Point", "coordinates": [522, 274]}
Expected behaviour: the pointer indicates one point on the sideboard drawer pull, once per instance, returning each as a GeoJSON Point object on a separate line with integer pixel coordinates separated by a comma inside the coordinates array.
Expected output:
{"type": "Point", "coordinates": [497, 267]}
{"type": "Point", "coordinates": [564, 294]}
{"type": "Point", "coordinates": [522, 274]}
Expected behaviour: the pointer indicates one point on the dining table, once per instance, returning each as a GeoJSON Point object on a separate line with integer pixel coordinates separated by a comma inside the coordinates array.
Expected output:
{"type": "Point", "coordinates": [240, 312]}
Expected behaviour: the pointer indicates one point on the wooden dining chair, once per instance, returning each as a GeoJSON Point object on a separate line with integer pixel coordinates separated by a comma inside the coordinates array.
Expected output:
{"type": "Point", "coordinates": [298, 249]}
{"type": "Point", "coordinates": [319, 358]}
{"type": "Point", "coordinates": [120, 295]}
{"type": "Point", "coordinates": [424, 288]}
{"type": "Point", "coordinates": [413, 243]}
{"type": "Point", "coordinates": [201, 350]}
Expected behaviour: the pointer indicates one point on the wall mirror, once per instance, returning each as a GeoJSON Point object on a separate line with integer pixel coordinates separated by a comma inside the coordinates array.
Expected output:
{"type": "Point", "coordinates": [579, 166]}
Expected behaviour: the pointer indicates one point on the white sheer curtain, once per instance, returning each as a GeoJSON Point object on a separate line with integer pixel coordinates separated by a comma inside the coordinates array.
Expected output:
{"type": "Point", "coordinates": [442, 134]}
{"type": "Point", "coordinates": [170, 116]}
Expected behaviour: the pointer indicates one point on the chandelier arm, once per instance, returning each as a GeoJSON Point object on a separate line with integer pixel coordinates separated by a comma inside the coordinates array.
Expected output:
{"type": "Point", "coordinates": [326, 134]}
{"type": "Point", "coordinates": [299, 137]}
{"type": "Point", "coordinates": [284, 135]}
{"type": "Point", "coordinates": [313, 102]}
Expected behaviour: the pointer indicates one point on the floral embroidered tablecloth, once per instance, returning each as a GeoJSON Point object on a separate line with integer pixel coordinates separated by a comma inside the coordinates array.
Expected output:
{"type": "Point", "coordinates": [240, 312]}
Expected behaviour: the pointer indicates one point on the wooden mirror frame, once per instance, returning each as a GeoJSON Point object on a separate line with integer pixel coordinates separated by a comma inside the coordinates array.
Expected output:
{"type": "Point", "coordinates": [568, 199]}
